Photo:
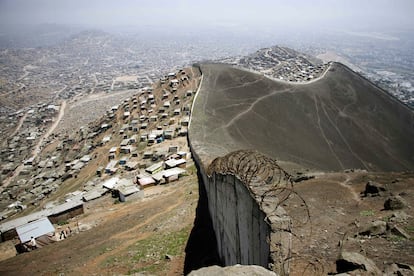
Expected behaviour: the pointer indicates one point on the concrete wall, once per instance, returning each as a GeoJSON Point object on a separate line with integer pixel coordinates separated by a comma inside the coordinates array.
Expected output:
{"type": "Point", "coordinates": [241, 231]}
{"type": "Point", "coordinates": [247, 232]}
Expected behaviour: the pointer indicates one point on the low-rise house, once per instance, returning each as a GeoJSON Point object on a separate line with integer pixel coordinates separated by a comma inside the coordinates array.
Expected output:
{"type": "Point", "coordinates": [125, 188]}
{"type": "Point", "coordinates": [94, 194]}
{"type": "Point", "coordinates": [127, 149]}
{"type": "Point", "coordinates": [147, 155]}
{"type": "Point", "coordinates": [110, 184]}
{"type": "Point", "coordinates": [114, 150]}
{"type": "Point", "coordinates": [182, 154]}
{"type": "Point", "coordinates": [85, 158]}
{"type": "Point", "coordinates": [78, 166]}
{"type": "Point", "coordinates": [172, 163]}
{"type": "Point", "coordinates": [34, 229]}
{"type": "Point", "coordinates": [155, 168]}
{"type": "Point", "coordinates": [185, 121]}
{"type": "Point", "coordinates": [183, 132]}
{"type": "Point", "coordinates": [174, 83]}
{"type": "Point", "coordinates": [106, 139]}
{"type": "Point", "coordinates": [173, 174]}
{"type": "Point", "coordinates": [172, 149]}
{"type": "Point", "coordinates": [159, 177]}
{"type": "Point", "coordinates": [129, 192]}
{"type": "Point", "coordinates": [133, 139]}
{"type": "Point", "coordinates": [124, 142]}
{"type": "Point", "coordinates": [131, 165]}
{"type": "Point", "coordinates": [123, 161]}
{"type": "Point", "coordinates": [169, 134]}
{"type": "Point", "coordinates": [111, 167]}
{"type": "Point", "coordinates": [143, 137]}
{"type": "Point", "coordinates": [151, 139]}
{"type": "Point", "coordinates": [146, 182]}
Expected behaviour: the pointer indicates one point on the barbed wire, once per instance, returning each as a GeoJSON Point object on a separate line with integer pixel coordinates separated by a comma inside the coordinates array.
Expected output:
{"type": "Point", "coordinates": [270, 185]}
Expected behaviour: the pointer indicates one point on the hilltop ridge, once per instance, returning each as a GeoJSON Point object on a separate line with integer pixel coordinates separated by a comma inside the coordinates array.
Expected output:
{"type": "Point", "coordinates": [341, 121]}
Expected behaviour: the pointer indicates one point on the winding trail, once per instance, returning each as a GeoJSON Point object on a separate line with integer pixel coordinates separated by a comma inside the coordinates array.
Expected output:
{"type": "Point", "coordinates": [324, 135]}
{"type": "Point", "coordinates": [252, 105]}
{"type": "Point", "coordinates": [18, 127]}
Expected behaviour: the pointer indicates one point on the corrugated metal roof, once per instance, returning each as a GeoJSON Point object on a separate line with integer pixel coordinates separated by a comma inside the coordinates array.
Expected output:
{"type": "Point", "coordinates": [128, 190]}
{"type": "Point", "coordinates": [66, 206]}
{"type": "Point", "coordinates": [34, 229]}
{"type": "Point", "coordinates": [173, 171]}
{"type": "Point", "coordinates": [175, 162]}
{"type": "Point", "coordinates": [54, 210]}
{"type": "Point", "coordinates": [154, 167]}
{"type": "Point", "coordinates": [110, 183]}
{"type": "Point", "coordinates": [146, 181]}
{"type": "Point", "coordinates": [11, 224]}
{"type": "Point", "coordinates": [93, 194]}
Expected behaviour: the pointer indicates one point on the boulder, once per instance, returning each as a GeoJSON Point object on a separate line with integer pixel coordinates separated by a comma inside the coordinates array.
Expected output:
{"type": "Point", "coordinates": [399, 269]}
{"type": "Point", "coordinates": [375, 228]}
{"type": "Point", "coordinates": [374, 189]}
{"type": "Point", "coordinates": [399, 216]}
{"type": "Point", "coordinates": [395, 203]}
{"type": "Point", "coordinates": [398, 231]}
{"type": "Point", "coordinates": [232, 271]}
{"type": "Point", "coordinates": [350, 261]}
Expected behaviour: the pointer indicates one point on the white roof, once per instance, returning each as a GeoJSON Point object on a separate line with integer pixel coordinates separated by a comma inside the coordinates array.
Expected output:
{"type": "Point", "coordinates": [110, 183]}
{"type": "Point", "coordinates": [173, 171]}
{"type": "Point", "coordinates": [125, 182]}
{"type": "Point", "coordinates": [146, 180]}
{"type": "Point", "coordinates": [112, 164]}
{"type": "Point", "coordinates": [93, 194]}
{"type": "Point", "coordinates": [154, 167]}
{"type": "Point", "coordinates": [54, 210]}
{"type": "Point", "coordinates": [175, 162]}
{"type": "Point", "coordinates": [34, 229]}
{"type": "Point", "coordinates": [128, 190]}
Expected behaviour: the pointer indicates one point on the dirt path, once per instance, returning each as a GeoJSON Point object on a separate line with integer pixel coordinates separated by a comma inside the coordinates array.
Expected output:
{"type": "Point", "coordinates": [52, 128]}
{"type": "Point", "coordinates": [14, 90]}
{"type": "Point", "coordinates": [59, 92]}
{"type": "Point", "coordinates": [36, 151]}
{"type": "Point", "coordinates": [18, 127]}
{"type": "Point", "coordinates": [354, 194]}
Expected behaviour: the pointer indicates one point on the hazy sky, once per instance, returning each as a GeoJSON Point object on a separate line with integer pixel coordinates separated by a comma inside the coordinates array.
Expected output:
{"type": "Point", "coordinates": [297, 13]}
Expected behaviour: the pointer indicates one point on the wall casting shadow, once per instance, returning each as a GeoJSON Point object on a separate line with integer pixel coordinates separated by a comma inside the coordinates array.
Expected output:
{"type": "Point", "coordinates": [201, 248]}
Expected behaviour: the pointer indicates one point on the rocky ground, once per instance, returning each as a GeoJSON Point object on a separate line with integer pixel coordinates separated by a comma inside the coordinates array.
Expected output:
{"type": "Point", "coordinates": [358, 221]}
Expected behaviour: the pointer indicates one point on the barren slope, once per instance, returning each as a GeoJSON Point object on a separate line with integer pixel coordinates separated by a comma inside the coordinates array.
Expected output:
{"type": "Point", "coordinates": [338, 122]}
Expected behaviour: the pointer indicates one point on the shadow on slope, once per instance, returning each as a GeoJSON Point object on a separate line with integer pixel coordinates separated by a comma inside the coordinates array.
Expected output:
{"type": "Point", "coordinates": [201, 248]}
